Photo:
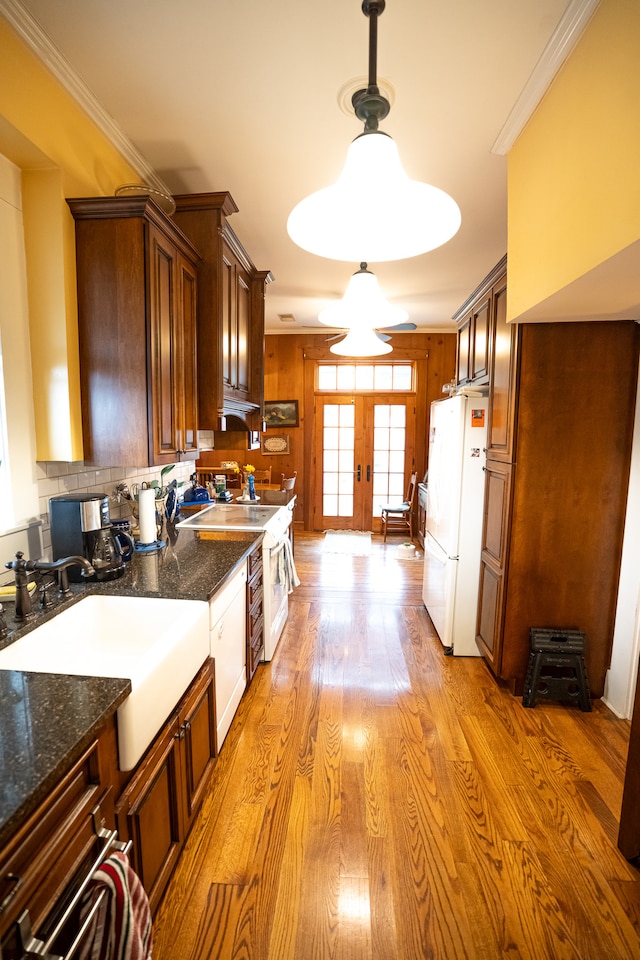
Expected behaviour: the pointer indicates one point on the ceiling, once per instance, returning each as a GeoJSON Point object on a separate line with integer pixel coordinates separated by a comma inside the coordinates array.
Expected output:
{"type": "Point", "coordinates": [245, 96]}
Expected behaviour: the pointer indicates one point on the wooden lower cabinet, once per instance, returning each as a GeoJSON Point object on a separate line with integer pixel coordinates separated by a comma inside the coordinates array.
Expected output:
{"type": "Point", "coordinates": [156, 809]}
{"type": "Point", "coordinates": [55, 848]}
{"type": "Point", "coordinates": [255, 611]}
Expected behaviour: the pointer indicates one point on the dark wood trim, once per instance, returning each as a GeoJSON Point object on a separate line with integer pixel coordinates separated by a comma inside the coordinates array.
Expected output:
{"type": "Point", "coordinates": [483, 287]}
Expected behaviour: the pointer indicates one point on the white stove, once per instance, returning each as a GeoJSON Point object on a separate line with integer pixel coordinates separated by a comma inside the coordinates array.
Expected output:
{"type": "Point", "coordinates": [241, 517]}
{"type": "Point", "coordinates": [278, 570]}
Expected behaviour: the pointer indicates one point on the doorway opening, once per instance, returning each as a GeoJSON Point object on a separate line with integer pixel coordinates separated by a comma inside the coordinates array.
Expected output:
{"type": "Point", "coordinates": [364, 441]}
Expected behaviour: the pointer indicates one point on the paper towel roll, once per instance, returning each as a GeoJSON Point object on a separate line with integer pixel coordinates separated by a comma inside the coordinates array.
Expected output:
{"type": "Point", "coordinates": [147, 515]}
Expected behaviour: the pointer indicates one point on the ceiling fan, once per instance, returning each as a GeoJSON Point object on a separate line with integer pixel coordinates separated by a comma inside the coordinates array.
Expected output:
{"type": "Point", "coordinates": [380, 332]}
{"type": "Point", "coordinates": [363, 308]}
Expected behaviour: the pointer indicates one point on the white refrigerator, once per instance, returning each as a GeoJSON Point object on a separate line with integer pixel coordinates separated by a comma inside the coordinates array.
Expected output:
{"type": "Point", "coordinates": [455, 501]}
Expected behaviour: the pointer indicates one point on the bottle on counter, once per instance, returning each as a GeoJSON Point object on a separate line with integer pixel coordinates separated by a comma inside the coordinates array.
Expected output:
{"type": "Point", "coordinates": [252, 487]}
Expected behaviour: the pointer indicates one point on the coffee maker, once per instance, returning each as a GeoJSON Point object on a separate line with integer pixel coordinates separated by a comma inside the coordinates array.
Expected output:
{"type": "Point", "coordinates": [81, 526]}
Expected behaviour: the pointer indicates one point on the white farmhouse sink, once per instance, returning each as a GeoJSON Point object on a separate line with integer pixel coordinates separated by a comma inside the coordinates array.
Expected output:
{"type": "Point", "coordinates": [159, 645]}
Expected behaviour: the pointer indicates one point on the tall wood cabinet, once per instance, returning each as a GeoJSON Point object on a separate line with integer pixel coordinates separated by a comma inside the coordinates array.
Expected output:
{"type": "Point", "coordinates": [137, 314]}
{"type": "Point", "coordinates": [231, 295]}
{"type": "Point", "coordinates": [559, 438]}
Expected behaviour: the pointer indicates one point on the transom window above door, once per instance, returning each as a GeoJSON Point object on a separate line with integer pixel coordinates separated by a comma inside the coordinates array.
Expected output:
{"type": "Point", "coordinates": [363, 377]}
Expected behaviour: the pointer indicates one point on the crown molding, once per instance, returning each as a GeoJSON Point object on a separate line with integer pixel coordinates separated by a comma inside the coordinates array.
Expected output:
{"type": "Point", "coordinates": [30, 31]}
{"type": "Point", "coordinates": [563, 40]}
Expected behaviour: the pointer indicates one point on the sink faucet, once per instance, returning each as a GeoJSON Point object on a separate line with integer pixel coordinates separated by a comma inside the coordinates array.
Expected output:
{"type": "Point", "coordinates": [22, 567]}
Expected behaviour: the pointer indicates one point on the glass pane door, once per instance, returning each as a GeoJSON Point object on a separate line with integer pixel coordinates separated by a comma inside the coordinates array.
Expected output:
{"type": "Point", "coordinates": [389, 444]}
{"type": "Point", "coordinates": [364, 457]}
{"type": "Point", "coordinates": [338, 460]}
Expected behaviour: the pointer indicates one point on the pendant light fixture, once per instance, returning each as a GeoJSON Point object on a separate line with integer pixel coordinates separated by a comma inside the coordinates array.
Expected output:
{"type": "Point", "coordinates": [363, 305]}
{"type": "Point", "coordinates": [374, 210]}
{"type": "Point", "coordinates": [361, 342]}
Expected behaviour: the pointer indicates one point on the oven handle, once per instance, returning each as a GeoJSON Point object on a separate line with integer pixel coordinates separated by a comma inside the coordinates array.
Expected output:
{"type": "Point", "coordinates": [31, 946]}
{"type": "Point", "coordinates": [277, 547]}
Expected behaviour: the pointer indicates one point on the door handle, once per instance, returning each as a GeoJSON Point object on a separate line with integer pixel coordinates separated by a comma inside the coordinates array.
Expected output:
{"type": "Point", "coordinates": [368, 472]}
{"type": "Point", "coordinates": [358, 472]}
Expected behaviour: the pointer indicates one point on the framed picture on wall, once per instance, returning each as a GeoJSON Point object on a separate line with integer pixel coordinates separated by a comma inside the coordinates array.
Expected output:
{"type": "Point", "coordinates": [274, 443]}
{"type": "Point", "coordinates": [281, 413]}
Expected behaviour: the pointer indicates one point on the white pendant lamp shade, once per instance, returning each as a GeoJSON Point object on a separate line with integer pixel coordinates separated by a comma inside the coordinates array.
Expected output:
{"type": "Point", "coordinates": [361, 342]}
{"type": "Point", "coordinates": [374, 211]}
{"type": "Point", "coordinates": [362, 305]}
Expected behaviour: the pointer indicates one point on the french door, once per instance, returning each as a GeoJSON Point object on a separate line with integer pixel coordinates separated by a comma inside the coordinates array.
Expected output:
{"type": "Point", "coordinates": [364, 455]}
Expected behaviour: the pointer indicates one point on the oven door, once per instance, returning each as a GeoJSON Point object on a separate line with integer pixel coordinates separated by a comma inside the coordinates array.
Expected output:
{"type": "Point", "coordinates": [276, 598]}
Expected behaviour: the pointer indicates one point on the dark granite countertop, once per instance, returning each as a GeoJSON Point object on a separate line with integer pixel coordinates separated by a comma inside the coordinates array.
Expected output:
{"type": "Point", "coordinates": [47, 720]}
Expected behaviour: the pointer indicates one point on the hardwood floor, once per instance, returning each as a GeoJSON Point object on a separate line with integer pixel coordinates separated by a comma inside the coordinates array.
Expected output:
{"type": "Point", "coordinates": [375, 799]}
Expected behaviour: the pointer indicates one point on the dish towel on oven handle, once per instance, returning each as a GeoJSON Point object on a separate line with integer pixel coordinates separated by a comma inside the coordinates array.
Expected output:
{"type": "Point", "coordinates": [121, 927]}
{"type": "Point", "coordinates": [286, 573]}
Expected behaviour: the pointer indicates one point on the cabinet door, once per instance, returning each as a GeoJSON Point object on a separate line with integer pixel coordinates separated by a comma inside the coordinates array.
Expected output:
{"type": "Point", "coordinates": [502, 402]}
{"type": "Point", "coordinates": [463, 370]}
{"type": "Point", "coordinates": [490, 608]}
{"type": "Point", "coordinates": [481, 341]}
{"type": "Point", "coordinates": [495, 548]}
{"type": "Point", "coordinates": [236, 328]}
{"type": "Point", "coordinates": [242, 382]}
{"type": "Point", "coordinates": [150, 813]}
{"type": "Point", "coordinates": [188, 381]}
{"type": "Point", "coordinates": [198, 727]}
{"type": "Point", "coordinates": [172, 333]}
{"type": "Point", "coordinates": [164, 357]}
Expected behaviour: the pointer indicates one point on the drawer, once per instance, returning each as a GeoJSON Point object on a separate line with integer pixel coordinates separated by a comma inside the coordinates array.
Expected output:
{"type": "Point", "coordinates": [254, 591]}
{"type": "Point", "coordinates": [255, 614]}
{"type": "Point", "coordinates": [53, 844]}
{"type": "Point", "coordinates": [256, 637]}
{"type": "Point", "coordinates": [255, 563]}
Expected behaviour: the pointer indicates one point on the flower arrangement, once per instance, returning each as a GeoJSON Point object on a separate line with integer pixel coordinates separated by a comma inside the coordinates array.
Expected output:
{"type": "Point", "coordinates": [249, 468]}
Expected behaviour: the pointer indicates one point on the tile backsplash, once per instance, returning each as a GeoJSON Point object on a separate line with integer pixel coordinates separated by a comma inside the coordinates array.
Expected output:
{"type": "Point", "coordinates": [33, 537]}
{"type": "Point", "coordinates": [54, 477]}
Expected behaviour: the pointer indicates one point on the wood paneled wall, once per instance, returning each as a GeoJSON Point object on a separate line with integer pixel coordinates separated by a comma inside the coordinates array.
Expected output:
{"type": "Point", "coordinates": [285, 380]}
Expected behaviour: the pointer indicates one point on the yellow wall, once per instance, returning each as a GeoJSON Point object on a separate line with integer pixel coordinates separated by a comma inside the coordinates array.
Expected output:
{"type": "Point", "coordinates": [574, 186]}
{"type": "Point", "coordinates": [62, 154]}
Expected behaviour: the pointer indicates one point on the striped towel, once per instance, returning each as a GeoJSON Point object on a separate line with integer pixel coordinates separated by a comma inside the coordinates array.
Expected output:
{"type": "Point", "coordinates": [121, 927]}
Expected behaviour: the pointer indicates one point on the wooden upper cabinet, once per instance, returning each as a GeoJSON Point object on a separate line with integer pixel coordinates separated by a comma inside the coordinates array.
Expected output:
{"type": "Point", "coordinates": [137, 315]}
{"type": "Point", "coordinates": [476, 326]}
{"type": "Point", "coordinates": [503, 393]}
{"type": "Point", "coordinates": [231, 294]}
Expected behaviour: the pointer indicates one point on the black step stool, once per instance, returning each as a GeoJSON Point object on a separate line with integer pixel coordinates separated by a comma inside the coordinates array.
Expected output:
{"type": "Point", "coordinates": [556, 669]}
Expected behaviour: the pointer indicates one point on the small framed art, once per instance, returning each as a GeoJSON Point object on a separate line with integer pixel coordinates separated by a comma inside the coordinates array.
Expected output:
{"type": "Point", "coordinates": [281, 413]}
{"type": "Point", "coordinates": [274, 443]}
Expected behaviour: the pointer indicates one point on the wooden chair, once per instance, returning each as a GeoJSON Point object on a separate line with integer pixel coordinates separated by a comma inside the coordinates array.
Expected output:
{"type": "Point", "coordinates": [399, 516]}
{"type": "Point", "coordinates": [262, 476]}
{"type": "Point", "coordinates": [288, 483]}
